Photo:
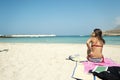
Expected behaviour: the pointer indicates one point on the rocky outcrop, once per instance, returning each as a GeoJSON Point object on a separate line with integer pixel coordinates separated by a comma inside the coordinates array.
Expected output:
{"type": "Point", "coordinates": [113, 32]}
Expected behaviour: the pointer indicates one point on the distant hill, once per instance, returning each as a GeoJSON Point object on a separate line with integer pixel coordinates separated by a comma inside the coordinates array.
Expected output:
{"type": "Point", "coordinates": [113, 32]}
{"type": "Point", "coordinates": [118, 27]}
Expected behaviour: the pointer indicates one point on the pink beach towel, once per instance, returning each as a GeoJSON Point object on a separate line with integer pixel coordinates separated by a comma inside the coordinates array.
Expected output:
{"type": "Point", "coordinates": [91, 65]}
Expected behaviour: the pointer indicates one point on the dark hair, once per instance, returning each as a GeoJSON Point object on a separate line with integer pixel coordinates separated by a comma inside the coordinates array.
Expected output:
{"type": "Point", "coordinates": [98, 33]}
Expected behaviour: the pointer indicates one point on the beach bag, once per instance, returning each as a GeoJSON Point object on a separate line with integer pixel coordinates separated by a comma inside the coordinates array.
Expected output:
{"type": "Point", "coordinates": [113, 73]}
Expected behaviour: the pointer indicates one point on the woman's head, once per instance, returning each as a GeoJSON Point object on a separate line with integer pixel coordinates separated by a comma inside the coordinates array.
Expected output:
{"type": "Point", "coordinates": [98, 34]}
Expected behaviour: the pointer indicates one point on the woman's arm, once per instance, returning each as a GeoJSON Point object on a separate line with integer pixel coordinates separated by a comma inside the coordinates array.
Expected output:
{"type": "Point", "coordinates": [88, 43]}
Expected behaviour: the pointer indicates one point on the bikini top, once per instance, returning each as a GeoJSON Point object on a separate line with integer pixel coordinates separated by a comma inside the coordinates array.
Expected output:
{"type": "Point", "coordinates": [95, 45]}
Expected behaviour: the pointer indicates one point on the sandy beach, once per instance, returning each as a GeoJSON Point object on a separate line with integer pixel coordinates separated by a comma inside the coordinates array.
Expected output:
{"type": "Point", "coordinates": [35, 61]}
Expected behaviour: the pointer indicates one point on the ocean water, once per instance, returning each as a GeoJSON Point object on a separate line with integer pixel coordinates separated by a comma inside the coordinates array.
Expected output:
{"type": "Point", "coordinates": [110, 40]}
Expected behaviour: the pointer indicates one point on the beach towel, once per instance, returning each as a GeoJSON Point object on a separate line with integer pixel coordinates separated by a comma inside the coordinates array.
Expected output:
{"type": "Point", "coordinates": [91, 65]}
{"type": "Point", "coordinates": [88, 66]}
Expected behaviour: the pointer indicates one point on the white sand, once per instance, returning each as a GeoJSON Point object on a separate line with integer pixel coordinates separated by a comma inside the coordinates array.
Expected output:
{"type": "Point", "coordinates": [32, 61]}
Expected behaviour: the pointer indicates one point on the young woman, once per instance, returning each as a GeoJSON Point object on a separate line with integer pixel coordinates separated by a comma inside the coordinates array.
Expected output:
{"type": "Point", "coordinates": [95, 46]}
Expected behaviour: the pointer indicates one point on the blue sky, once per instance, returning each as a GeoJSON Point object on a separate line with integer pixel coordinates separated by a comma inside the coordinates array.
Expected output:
{"type": "Point", "coordinates": [60, 17]}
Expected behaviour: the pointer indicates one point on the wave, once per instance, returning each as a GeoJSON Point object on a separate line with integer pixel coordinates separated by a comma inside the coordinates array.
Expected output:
{"type": "Point", "coordinates": [39, 35]}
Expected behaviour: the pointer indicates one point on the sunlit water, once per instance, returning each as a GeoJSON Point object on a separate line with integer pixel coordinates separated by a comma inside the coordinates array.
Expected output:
{"type": "Point", "coordinates": [111, 40]}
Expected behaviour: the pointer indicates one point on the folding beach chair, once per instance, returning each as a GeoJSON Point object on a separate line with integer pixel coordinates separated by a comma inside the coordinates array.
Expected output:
{"type": "Point", "coordinates": [78, 72]}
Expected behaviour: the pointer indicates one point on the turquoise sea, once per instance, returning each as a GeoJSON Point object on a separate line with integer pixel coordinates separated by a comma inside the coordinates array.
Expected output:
{"type": "Point", "coordinates": [110, 40]}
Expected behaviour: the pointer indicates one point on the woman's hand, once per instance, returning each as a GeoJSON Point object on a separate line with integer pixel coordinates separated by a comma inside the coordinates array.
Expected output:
{"type": "Point", "coordinates": [88, 51]}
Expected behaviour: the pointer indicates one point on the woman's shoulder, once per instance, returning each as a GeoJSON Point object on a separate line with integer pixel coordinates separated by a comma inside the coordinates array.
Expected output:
{"type": "Point", "coordinates": [93, 38]}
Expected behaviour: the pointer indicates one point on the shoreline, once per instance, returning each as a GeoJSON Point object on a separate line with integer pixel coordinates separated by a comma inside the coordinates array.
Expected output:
{"type": "Point", "coordinates": [117, 45]}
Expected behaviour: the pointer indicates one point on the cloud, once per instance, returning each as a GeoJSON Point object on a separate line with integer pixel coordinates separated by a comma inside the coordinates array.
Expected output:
{"type": "Point", "coordinates": [117, 21]}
